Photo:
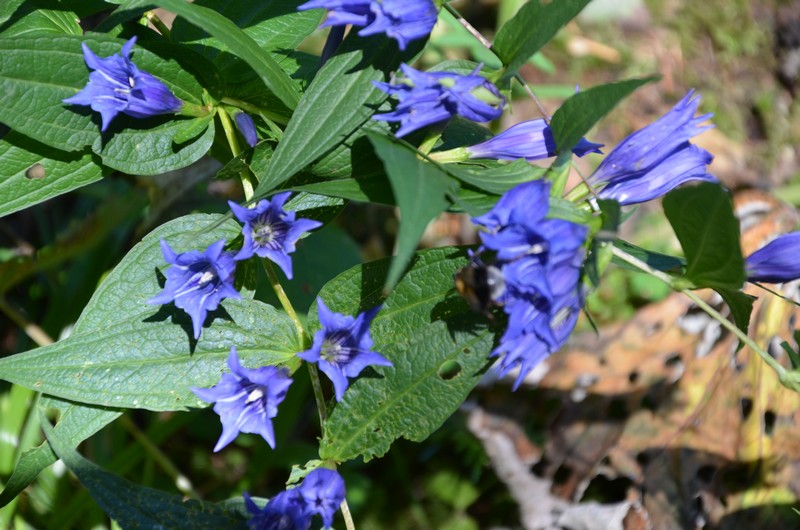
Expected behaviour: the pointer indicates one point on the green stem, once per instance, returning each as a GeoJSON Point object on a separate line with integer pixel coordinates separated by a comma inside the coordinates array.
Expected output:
{"type": "Point", "coordinates": [319, 397]}
{"type": "Point", "coordinates": [253, 109]}
{"type": "Point", "coordinates": [284, 300]}
{"type": "Point", "coordinates": [459, 154]}
{"type": "Point", "coordinates": [181, 481]}
{"type": "Point", "coordinates": [158, 24]}
{"type": "Point", "coordinates": [785, 377]}
{"type": "Point", "coordinates": [430, 140]}
{"type": "Point", "coordinates": [36, 334]}
{"type": "Point", "coordinates": [233, 142]}
{"type": "Point", "coordinates": [348, 518]}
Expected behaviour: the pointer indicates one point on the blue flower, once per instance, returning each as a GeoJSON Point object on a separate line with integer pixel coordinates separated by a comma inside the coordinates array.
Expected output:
{"type": "Point", "coordinates": [322, 492]}
{"type": "Point", "coordinates": [540, 262]}
{"type": "Point", "coordinates": [776, 262]}
{"type": "Point", "coordinates": [342, 348]}
{"type": "Point", "coordinates": [656, 159]}
{"type": "Point", "coordinates": [401, 20]}
{"type": "Point", "coordinates": [247, 400]}
{"type": "Point", "coordinates": [531, 140]}
{"type": "Point", "coordinates": [117, 85]}
{"type": "Point", "coordinates": [428, 98]}
{"type": "Point", "coordinates": [270, 231]}
{"type": "Point", "coordinates": [197, 281]}
{"type": "Point", "coordinates": [284, 511]}
{"type": "Point", "coordinates": [247, 127]}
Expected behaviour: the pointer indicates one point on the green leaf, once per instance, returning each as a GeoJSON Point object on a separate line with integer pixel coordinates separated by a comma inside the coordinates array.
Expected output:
{"type": "Point", "coordinates": [703, 220]}
{"type": "Point", "coordinates": [495, 178]}
{"type": "Point", "coordinates": [275, 26]}
{"type": "Point", "coordinates": [422, 191]}
{"type": "Point", "coordinates": [741, 306]}
{"type": "Point", "coordinates": [33, 172]}
{"type": "Point", "coordinates": [531, 28]}
{"type": "Point", "coordinates": [152, 148]}
{"type": "Point", "coordinates": [662, 262]}
{"type": "Point", "coordinates": [43, 22]}
{"type": "Point", "coordinates": [36, 74]}
{"type": "Point", "coordinates": [579, 113]}
{"type": "Point", "coordinates": [238, 42]}
{"type": "Point", "coordinates": [75, 424]}
{"type": "Point", "coordinates": [374, 189]}
{"type": "Point", "coordinates": [439, 348]}
{"type": "Point", "coordinates": [134, 506]}
{"type": "Point", "coordinates": [339, 100]}
{"type": "Point", "coordinates": [133, 353]}
{"type": "Point", "coordinates": [8, 8]}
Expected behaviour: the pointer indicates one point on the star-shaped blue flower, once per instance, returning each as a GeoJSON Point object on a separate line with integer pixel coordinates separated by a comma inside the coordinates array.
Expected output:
{"type": "Point", "coordinates": [427, 98]}
{"type": "Point", "coordinates": [270, 231]}
{"type": "Point", "coordinates": [322, 492]}
{"type": "Point", "coordinates": [116, 86]}
{"type": "Point", "coordinates": [197, 281]}
{"type": "Point", "coordinates": [342, 348]}
{"type": "Point", "coordinates": [247, 400]}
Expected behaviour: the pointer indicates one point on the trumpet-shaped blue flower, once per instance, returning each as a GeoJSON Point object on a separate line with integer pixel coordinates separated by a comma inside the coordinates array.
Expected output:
{"type": "Point", "coordinates": [656, 159]}
{"type": "Point", "coordinates": [270, 231]}
{"type": "Point", "coordinates": [401, 20]}
{"type": "Point", "coordinates": [540, 261]}
{"type": "Point", "coordinates": [321, 493]}
{"type": "Point", "coordinates": [342, 348]}
{"type": "Point", "coordinates": [246, 400]}
{"type": "Point", "coordinates": [531, 140]}
{"type": "Point", "coordinates": [284, 511]}
{"type": "Point", "coordinates": [247, 127]}
{"type": "Point", "coordinates": [117, 85]}
{"type": "Point", "coordinates": [197, 281]}
{"type": "Point", "coordinates": [776, 262]}
{"type": "Point", "coordinates": [428, 98]}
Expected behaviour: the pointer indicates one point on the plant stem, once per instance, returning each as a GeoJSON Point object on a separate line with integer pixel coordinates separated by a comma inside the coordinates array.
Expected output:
{"type": "Point", "coordinates": [284, 300]}
{"type": "Point", "coordinates": [348, 518]}
{"type": "Point", "coordinates": [785, 377]}
{"type": "Point", "coordinates": [319, 397]}
{"type": "Point", "coordinates": [430, 140]}
{"type": "Point", "coordinates": [181, 481]}
{"type": "Point", "coordinates": [253, 109]}
{"type": "Point", "coordinates": [36, 334]}
{"type": "Point", "coordinates": [233, 142]}
{"type": "Point", "coordinates": [158, 24]}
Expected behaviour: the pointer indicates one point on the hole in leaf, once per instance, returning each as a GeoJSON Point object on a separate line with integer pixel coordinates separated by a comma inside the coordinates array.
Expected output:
{"type": "Point", "coordinates": [449, 369]}
{"type": "Point", "coordinates": [769, 422]}
{"type": "Point", "coordinates": [747, 407]}
{"type": "Point", "coordinates": [35, 172]}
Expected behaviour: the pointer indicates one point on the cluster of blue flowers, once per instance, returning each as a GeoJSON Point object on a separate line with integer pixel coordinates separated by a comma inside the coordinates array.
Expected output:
{"type": "Point", "coordinates": [321, 493]}
{"type": "Point", "coordinates": [401, 20]}
{"type": "Point", "coordinates": [428, 98]}
{"type": "Point", "coordinates": [540, 260]}
{"type": "Point", "coordinates": [246, 399]}
{"type": "Point", "coordinates": [537, 260]}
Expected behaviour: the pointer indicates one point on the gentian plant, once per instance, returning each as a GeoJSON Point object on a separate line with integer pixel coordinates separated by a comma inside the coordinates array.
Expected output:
{"type": "Point", "coordinates": [296, 138]}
